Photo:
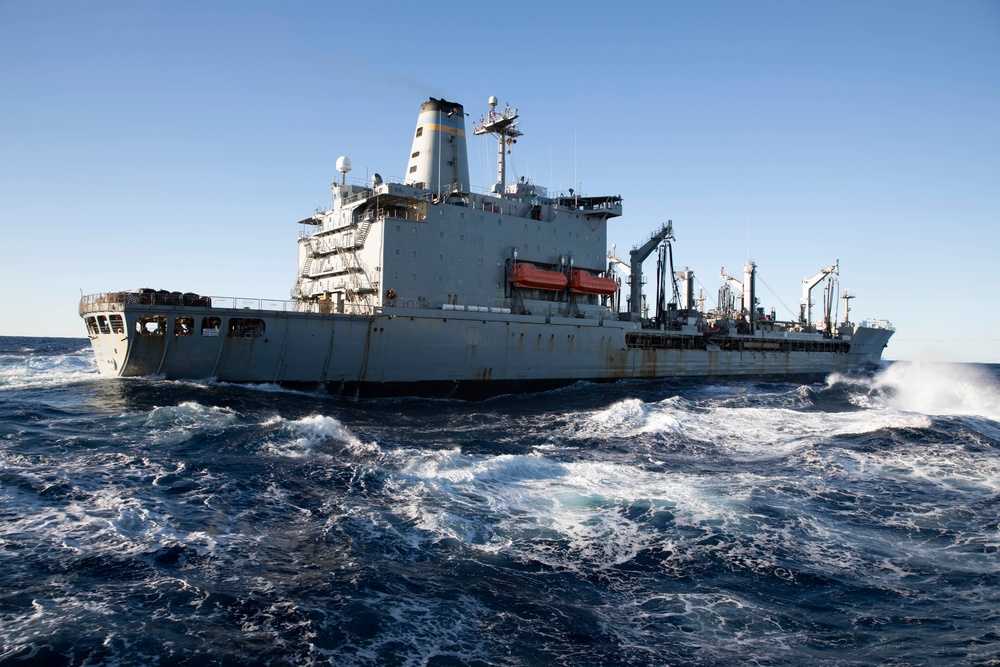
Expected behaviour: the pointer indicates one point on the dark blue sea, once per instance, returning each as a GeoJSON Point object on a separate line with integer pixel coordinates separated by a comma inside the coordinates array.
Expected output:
{"type": "Point", "coordinates": [854, 521]}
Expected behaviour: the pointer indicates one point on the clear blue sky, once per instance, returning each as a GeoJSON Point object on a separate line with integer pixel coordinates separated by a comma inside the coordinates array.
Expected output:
{"type": "Point", "coordinates": [175, 144]}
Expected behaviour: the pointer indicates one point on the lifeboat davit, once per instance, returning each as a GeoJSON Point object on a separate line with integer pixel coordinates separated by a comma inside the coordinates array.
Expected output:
{"type": "Point", "coordinates": [529, 275]}
{"type": "Point", "coordinates": [584, 282]}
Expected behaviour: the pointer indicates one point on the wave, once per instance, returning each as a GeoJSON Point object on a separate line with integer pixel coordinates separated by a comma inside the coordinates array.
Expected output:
{"type": "Point", "coordinates": [31, 371]}
{"type": "Point", "coordinates": [310, 436]}
{"type": "Point", "coordinates": [756, 432]}
{"type": "Point", "coordinates": [172, 425]}
{"type": "Point", "coordinates": [881, 519]}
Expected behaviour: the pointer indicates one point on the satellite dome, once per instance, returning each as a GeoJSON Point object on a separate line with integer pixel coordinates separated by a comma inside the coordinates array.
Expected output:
{"type": "Point", "coordinates": [493, 101]}
{"type": "Point", "coordinates": [343, 164]}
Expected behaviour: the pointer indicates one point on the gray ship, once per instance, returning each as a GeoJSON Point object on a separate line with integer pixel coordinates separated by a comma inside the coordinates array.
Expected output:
{"type": "Point", "coordinates": [425, 285]}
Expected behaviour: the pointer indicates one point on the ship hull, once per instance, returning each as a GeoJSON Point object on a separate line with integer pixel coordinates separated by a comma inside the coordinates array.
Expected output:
{"type": "Point", "coordinates": [442, 353]}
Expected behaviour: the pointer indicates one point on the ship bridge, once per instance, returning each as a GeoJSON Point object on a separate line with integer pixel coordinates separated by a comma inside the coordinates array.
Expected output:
{"type": "Point", "coordinates": [594, 207]}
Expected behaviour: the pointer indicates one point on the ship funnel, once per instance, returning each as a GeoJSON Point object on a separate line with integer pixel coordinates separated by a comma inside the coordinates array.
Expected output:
{"type": "Point", "coordinates": [438, 159]}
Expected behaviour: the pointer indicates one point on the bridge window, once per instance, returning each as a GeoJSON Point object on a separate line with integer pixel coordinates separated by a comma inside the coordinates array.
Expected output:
{"type": "Point", "coordinates": [92, 326]}
{"type": "Point", "coordinates": [102, 322]}
{"type": "Point", "coordinates": [117, 324]}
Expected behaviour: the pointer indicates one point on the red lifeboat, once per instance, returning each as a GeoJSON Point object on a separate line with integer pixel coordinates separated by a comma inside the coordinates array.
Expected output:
{"type": "Point", "coordinates": [584, 282]}
{"type": "Point", "coordinates": [528, 275]}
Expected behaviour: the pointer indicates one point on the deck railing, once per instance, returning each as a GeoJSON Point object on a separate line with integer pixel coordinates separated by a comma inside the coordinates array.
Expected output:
{"type": "Point", "coordinates": [118, 300]}
{"type": "Point", "coordinates": [878, 324]}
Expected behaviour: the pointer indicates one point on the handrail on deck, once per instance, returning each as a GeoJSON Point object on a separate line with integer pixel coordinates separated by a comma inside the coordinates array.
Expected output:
{"type": "Point", "coordinates": [118, 300]}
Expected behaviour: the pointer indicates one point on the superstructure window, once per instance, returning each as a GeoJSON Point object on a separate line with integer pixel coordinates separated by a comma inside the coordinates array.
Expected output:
{"type": "Point", "coordinates": [151, 325]}
{"type": "Point", "coordinates": [92, 326]}
{"type": "Point", "coordinates": [415, 153]}
{"type": "Point", "coordinates": [210, 326]}
{"type": "Point", "coordinates": [183, 325]}
{"type": "Point", "coordinates": [246, 327]}
{"type": "Point", "coordinates": [413, 168]}
{"type": "Point", "coordinates": [420, 131]}
{"type": "Point", "coordinates": [102, 322]}
{"type": "Point", "coordinates": [117, 324]}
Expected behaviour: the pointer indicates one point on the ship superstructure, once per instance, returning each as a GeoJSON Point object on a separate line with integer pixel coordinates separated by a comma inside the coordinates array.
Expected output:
{"type": "Point", "coordinates": [439, 243]}
{"type": "Point", "coordinates": [425, 284]}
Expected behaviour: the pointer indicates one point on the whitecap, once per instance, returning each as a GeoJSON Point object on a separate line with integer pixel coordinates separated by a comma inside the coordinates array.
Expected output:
{"type": "Point", "coordinates": [41, 371]}
{"type": "Point", "coordinates": [172, 425]}
{"type": "Point", "coordinates": [309, 435]}
{"type": "Point", "coordinates": [745, 431]}
{"type": "Point", "coordinates": [571, 515]}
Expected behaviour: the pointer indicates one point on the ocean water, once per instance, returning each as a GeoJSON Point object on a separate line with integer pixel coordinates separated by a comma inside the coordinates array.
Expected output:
{"type": "Point", "coordinates": [147, 522]}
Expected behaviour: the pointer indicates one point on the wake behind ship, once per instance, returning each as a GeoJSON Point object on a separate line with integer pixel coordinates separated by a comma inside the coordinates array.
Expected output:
{"type": "Point", "coordinates": [427, 286]}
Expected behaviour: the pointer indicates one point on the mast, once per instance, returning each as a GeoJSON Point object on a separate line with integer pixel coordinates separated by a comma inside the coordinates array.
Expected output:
{"type": "Point", "coordinates": [502, 125]}
{"type": "Point", "coordinates": [847, 296]}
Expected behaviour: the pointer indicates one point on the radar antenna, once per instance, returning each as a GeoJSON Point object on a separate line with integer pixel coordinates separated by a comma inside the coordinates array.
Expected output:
{"type": "Point", "coordinates": [343, 166]}
{"type": "Point", "coordinates": [503, 125]}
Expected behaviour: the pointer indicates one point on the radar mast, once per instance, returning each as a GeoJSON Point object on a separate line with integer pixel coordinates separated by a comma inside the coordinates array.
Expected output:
{"type": "Point", "coordinates": [503, 125]}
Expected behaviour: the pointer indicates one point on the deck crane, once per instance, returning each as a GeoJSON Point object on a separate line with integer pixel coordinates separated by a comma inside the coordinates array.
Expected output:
{"type": "Point", "coordinates": [726, 292]}
{"type": "Point", "coordinates": [637, 256]}
{"type": "Point", "coordinates": [805, 305]}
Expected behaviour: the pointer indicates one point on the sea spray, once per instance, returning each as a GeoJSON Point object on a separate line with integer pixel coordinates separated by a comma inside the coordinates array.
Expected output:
{"type": "Point", "coordinates": [941, 388]}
